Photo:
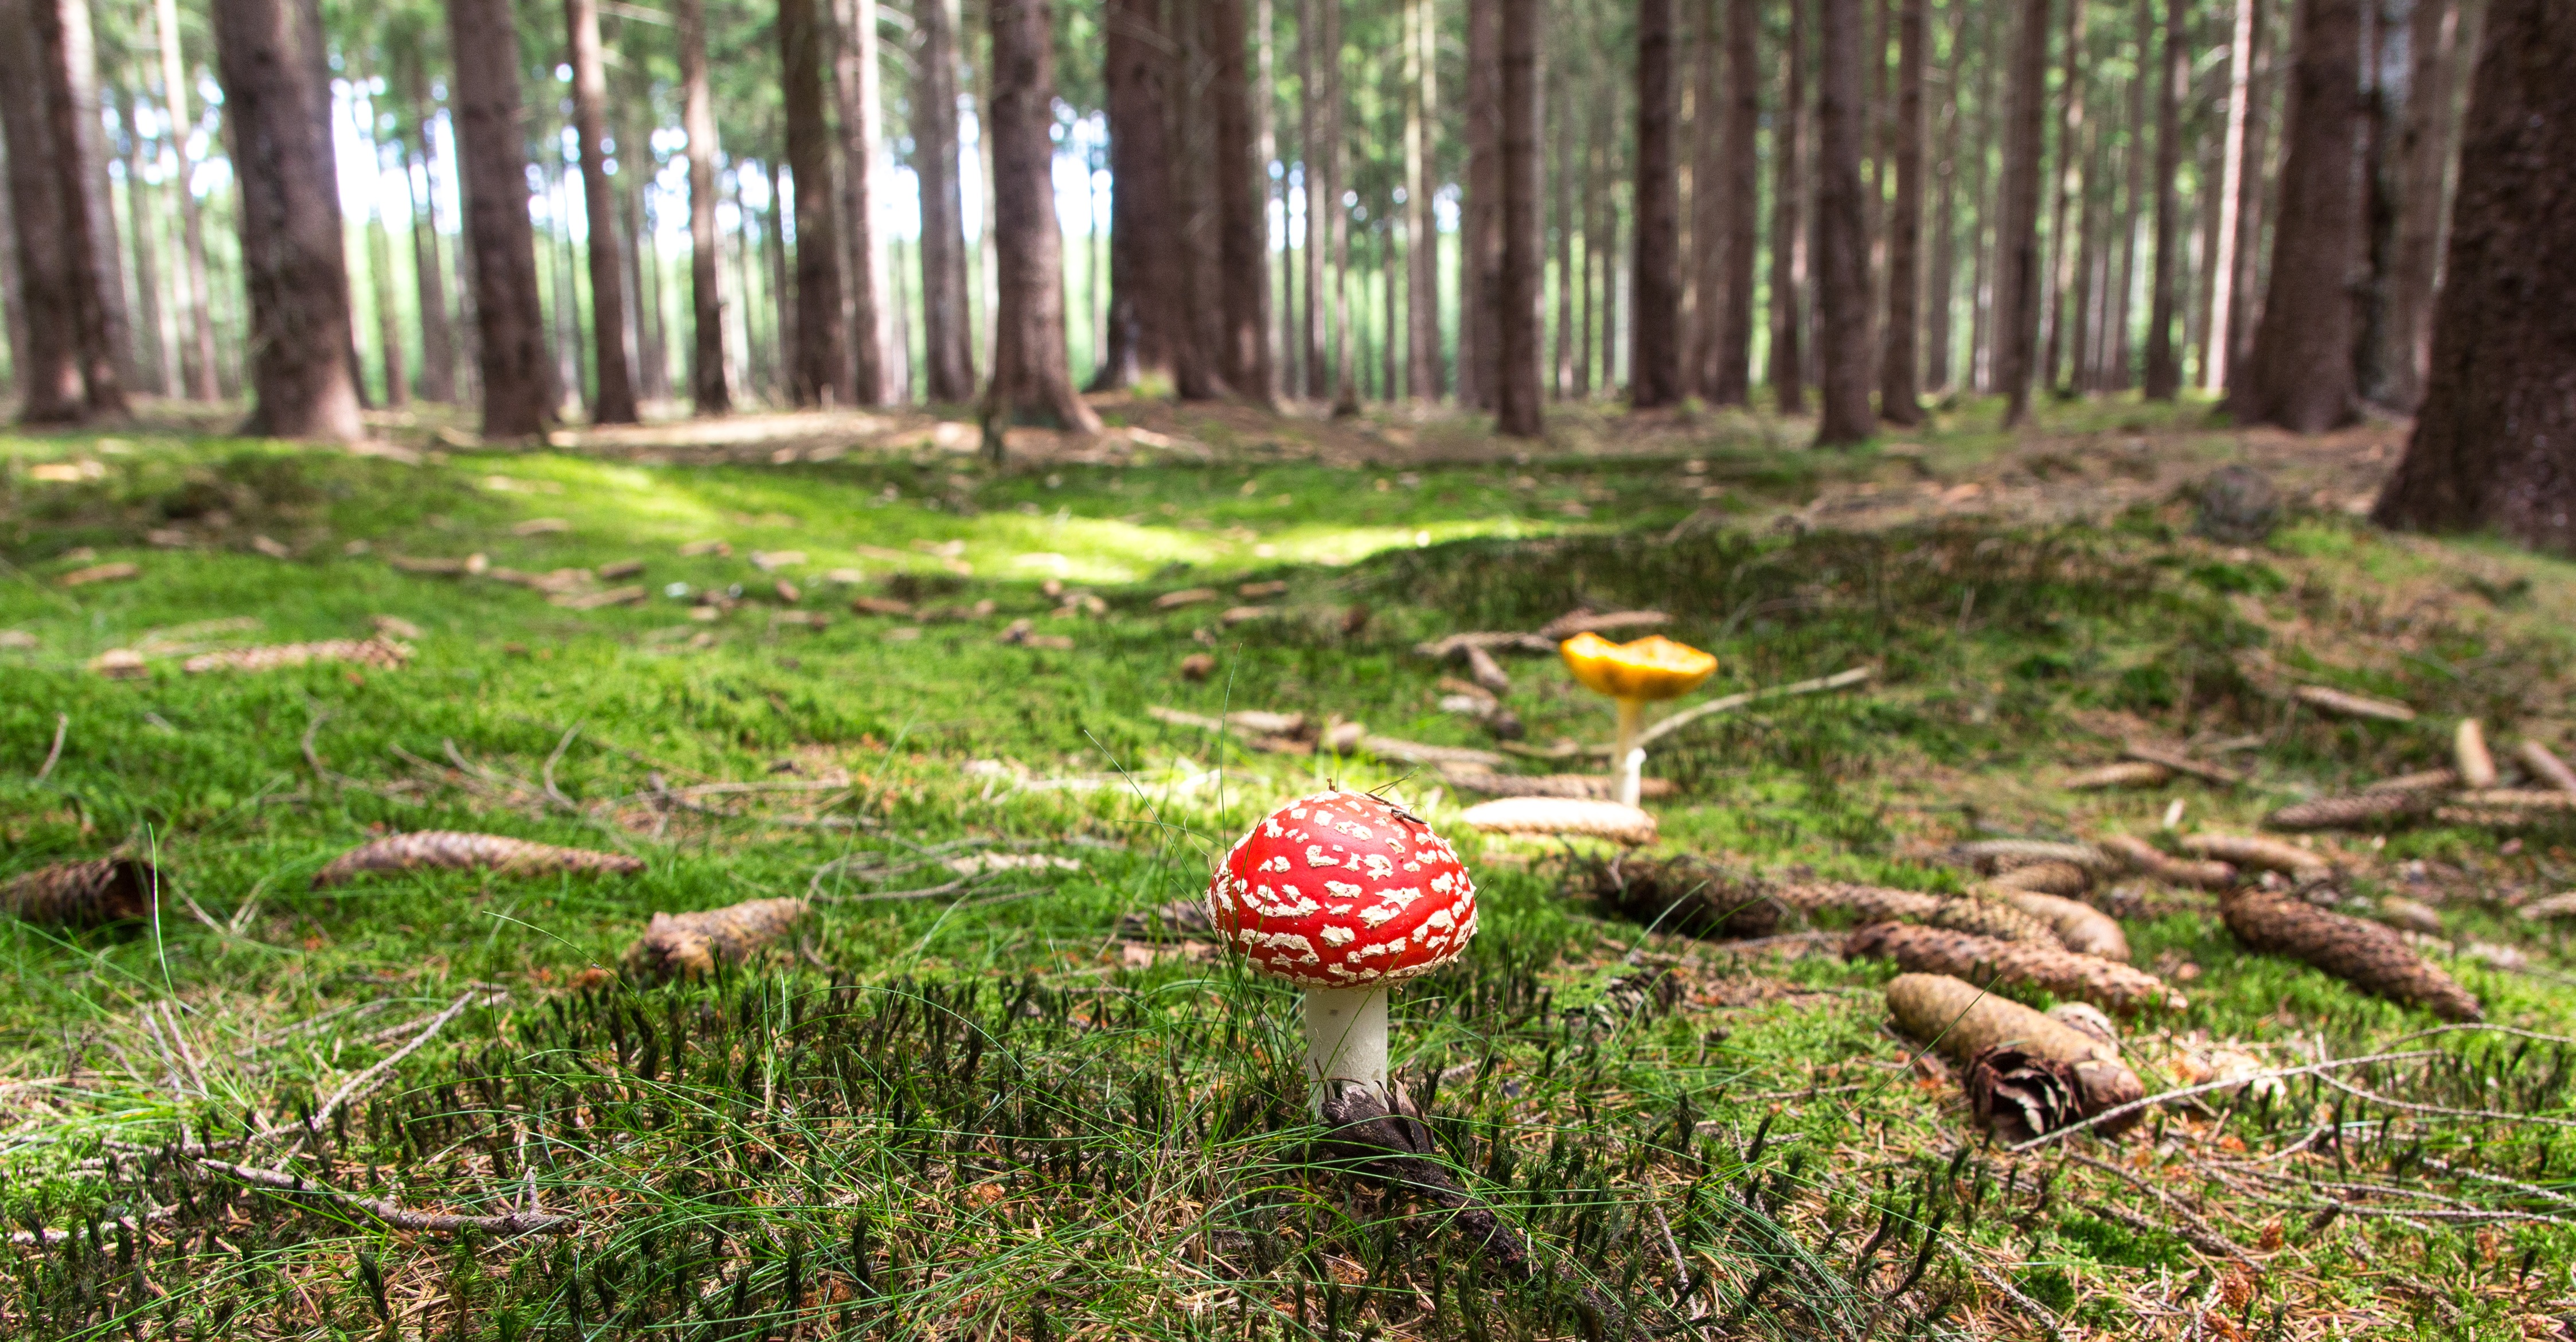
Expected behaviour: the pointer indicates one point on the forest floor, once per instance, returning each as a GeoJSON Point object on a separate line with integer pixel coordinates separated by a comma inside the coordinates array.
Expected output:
{"type": "Point", "coordinates": [997, 1087]}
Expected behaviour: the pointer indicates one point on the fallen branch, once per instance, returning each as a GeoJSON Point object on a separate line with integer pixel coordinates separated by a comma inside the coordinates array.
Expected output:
{"type": "Point", "coordinates": [1443, 649]}
{"type": "Point", "coordinates": [62, 725]}
{"type": "Point", "coordinates": [451, 851]}
{"type": "Point", "coordinates": [395, 1216]}
{"type": "Point", "coordinates": [2128, 1112]}
{"type": "Point", "coordinates": [83, 894]}
{"type": "Point", "coordinates": [686, 945]}
{"type": "Point", "coordinates": [1931, 950]}
{"type": "Point", "coordinates": [2128, 773]}
{"type": "Point", "coordinates": [1731, 702]}
{"type": "Point", "coordinates": [2352, 705]}
{"type": "Point", "coordinates": [1596, 787]}
{"type": "Point", "coordinates": [2365, 954]}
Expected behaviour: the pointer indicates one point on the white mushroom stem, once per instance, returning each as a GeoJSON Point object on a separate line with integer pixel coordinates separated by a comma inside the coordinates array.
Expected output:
{"type": "Point", "coordinates": [1345, 1041]}
{"type": "Point", "coordinates": [1627, 756]}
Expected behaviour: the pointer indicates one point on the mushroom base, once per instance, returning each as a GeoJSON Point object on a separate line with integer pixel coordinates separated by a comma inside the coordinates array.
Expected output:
{"type": "Point", "coordinates": [1345, 1042]}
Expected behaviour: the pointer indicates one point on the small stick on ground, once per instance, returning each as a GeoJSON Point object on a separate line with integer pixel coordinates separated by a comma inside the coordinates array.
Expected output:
{"type": "Point", "coordinates": [2543, 763]}
{"type": "Point", "coordinates": [62, 725]}
{"type": "Point", "coordinates": [2352, 705]}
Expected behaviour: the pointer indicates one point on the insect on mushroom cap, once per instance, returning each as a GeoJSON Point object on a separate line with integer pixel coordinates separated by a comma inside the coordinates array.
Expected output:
{"type": "Point", "coordinates": [1343, 890]}
{"type": "Point", "coordinates": [1653, 667]}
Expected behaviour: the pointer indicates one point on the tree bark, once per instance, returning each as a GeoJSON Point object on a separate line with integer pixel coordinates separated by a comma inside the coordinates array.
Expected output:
{"type": "Point", "coordinates": [48, 356]}
{"type": "Point", "coordinates": [1135, 74]}
{"type": "Point", "coordinates": [390, 353]}
{"type": "Point", "coordinates": [1425, 373]}
{"type": "Point", "coordinates": [708, 389]}
{"type": "Point", "coordinates": [1345, 333]}
{"type": "Point", "coordinates": [1941, 286]}
{"type": "Point", "coordinates": [1655, 304]}
{"type": "Point", "coordinates": [303, 376]}
{"type": "Point", "coordinates": [2065, 249]}
{"type": "Point", "coordinates": [2495, 443]}
{"type": "Point", "coordinates": [151, 368]}
{"type": "Point", "coordinates": [2017, 270]}
{"type": "Point", "coordinates": [1243, 250]}
{"type": "Point", "coordinates": [2164, 362]}
{"type": "Point", "coordinates": [1787, 373]}
{"type": "Point", "coordinates": [1731, 373]}
{"type": "Point", "coordinates": [1897, 377]}
{"type": "Point", "coordinates": [1480, 344]}
{"type": "Point", "coordinates": [1561, 176]}
{"type": "Point", "coordinates": [855, 84]}
{"type": "Point", "coordinates": [437, 343]}
{"type": "Point", "coordinates": [1705, 268]}
{"type": "Point", "coordinates": [614, 400]}
{"type": "Point", "coordinates": [198, 297]}
{"type": "Point", "coordinates": [1032, 380]}
{"type": "Point", "coordinates": [1842, 236]}
{"type": "Point", "coordinates": [819, 369]}
{"type": "Point", "coordinates": [78, 158]}
{"type": "Point", "coordinates": [2234, 187]}
{"type": "Point", "coordinates": [946, 328]}
{"type": "Point", "coordinates": [483, 99]}
{"type": "Point", "coordinates": [1517, 404]}
{"type": "Point", "coordinates": [2300, 375]}
{"type": "Point", "coordinates": [2423, 145]}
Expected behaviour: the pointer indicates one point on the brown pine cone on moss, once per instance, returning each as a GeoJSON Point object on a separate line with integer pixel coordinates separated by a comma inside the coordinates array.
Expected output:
{"type": "Point", "coordinates": [685, 945]}
{"type": "Point", "coordinates": [2373, 958]}
{"type": "Point", "coordinates": [448, 850]}
{"type": "Point", "coordinates": [1879, 904]}
{"type": "Point", "coordinates": [2035, 1072]}
{"type": "Point", "coordinates": [2083, 928]}
{"type": "Point", "coordinates": [1689, 895]}
{"type": "Point", "coordinates": [2090, 978]}
{"type": "Point", "coordinates": [1992, 918]}
{"type": "Point", "coordinates": [2377, 806]}
{"type": "Point", "coordinates": [2048, 878]}
{"type": "Point", "coordinates": [82, 894]}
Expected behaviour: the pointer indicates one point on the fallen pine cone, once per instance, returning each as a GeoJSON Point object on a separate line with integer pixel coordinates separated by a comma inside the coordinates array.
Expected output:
{"type": "Point", "coordinates": [2048, 878]}
{"type": "Point", "coordinates": [2026, 1071]}
{"type": "Point", "coordinates": [2127, 773]}
{"type": "Point", "coordinates": [1597, 787]}
{"type": "Point", "coordinates": [1931, 950]}
{"type": "Point", "coordinates": [1557, 815]}
{"type": "Point", "coordinates": [1988, 852]}
{"type": "Point", "coordinates": [2248, 850]}
{"type": "Point", "coordinates": [2545, 765]}
{"type": "Point", "coordinates": [82, 894]}
{"type": "Point", "coordinates": [686, 945]}
{"type": "Point", "coordinates": [2550, 906]}
{"type": "Point", "coordinates": [2373, 958]}
{"type": "Point", "coordinates": [1689, 895]}
{"type": "Point", "coordinates": [382, 653]}
{"type": "Point", "coordinates": [2148, 860]}
{"type": "Point", "coordinates": [2352, 811]}
{"type": "Point", "coordinates": [2083, 928]}
{"type": "Point", "coordinates": [2352, 705]}
{"type": "Point", "coordinates": [2469, 754]}
{"type": "Point", "coordinates": [447, 850]}
{"type": "Point", "coordinates": [2429, 780]}
{"type": "Point", "coordinates": [1878, 904]}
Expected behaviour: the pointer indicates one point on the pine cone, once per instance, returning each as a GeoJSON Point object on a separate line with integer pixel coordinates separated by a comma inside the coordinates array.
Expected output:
{"type": "Point", "coordinates": [451, 851]}
{"type": "Point", "coordinates": [383, 654]}
{"type": "Point", "coordinates": [2083, 928]}
{"type": "Point", "coordinates": [2148, 860]}
{"type": "Point", "coordinates": [2373, 958]}
{"type": "Point", "coordinates": [82, 894]}
{"type": "Point", "coordinates": [1992, 918]}
{"type": "Point", "coordinates": [2353, 811]}
{"type": "Point", "coordinates": [1552, 815]}
{"type": "Point", "coordinates": [2047, 878]}
{"type": "Point", "coordinates": [2249, 850]}
{"type": "Point", "coordinates": [1990, 853]}
{"type": "Point", "coordinates": [1878, 904]}
{"type": "Point", "coordinates": [1964, 1022]}
{"type": "Point", "coordinates": [689, 944]}
{"type": "Point", "coordinates": [1927, 950]}
{"type": "Point", "coordinates": [1689, 895]}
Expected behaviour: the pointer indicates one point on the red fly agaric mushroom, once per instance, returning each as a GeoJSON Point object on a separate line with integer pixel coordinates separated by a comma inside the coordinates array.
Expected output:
{"type": "Point", "coordinates": [1343, 894]}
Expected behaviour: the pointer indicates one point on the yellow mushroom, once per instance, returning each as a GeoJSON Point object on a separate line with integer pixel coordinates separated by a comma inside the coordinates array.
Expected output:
{"type": "Point", "coordinates": [1634, 675]}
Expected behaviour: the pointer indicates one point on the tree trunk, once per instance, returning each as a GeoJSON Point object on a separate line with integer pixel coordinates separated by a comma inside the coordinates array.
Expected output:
{"type": "Point", "coordinates": [1655, 305]}
{"type": "Point", "coordinates": [1595, 212]}
{"type": "Point", "coordinates": [2082, 301]}
{"type": "Point", "coordinates": [198, 296]}
{"type": "Point", "coordinates": [861, 104]}
{"type": "Point", "coordinates": [1345, 333]}
{"type": "Point", "coordinates": [786, 349]}
{"type": "Point", "coordinates": [1135, 73]}
{"type": "Point", "coordinates": [2423, 145]}
{"type": "Point", "coordinates": [1738, 181]}
{"type": "Point", "coordinates": [2116, 359]}
{"type": "Point", "coordinates": [555, 255]}
{"type": "Point", "coordinates": [1480, 343]}
{"type": "Point", "coordinates": [1842, 236]}
{"type": "Point", "coordinates": [2017, 270]}
{"type": "Point", "coordinates": [1032, 380]}
{"type": "Point", "coordinates": [1198, 260]}
{"type": "Point", "coordinates": [1897, 378]}
{"type": "Point", "coordinates": [950, 356]}
{"type": "Point", "coordinates": [1422, 235]}
{"type": "Point", "coordinates": [2234, 187]}
{"type": "Point", "coordinates": [2300, 376]}
{"type": "Point", "coordinates": [614, 402]}
{"type": "Point", "coordinates": [2495, 443]}
{"type": "Point", "coordinates": [437, 343]}
{"type": "Point", "coordinates": [819, 365]}
{"type": "Point", "coordinates": [303, 377]}
{"type": "Point", "coordinates": [1787, 373]}
{"type": "Point", "coordinates": [78, 158]}
{"type": "Point", "coordinates": [153, 368]}
{"type": "Point", "coordinates": [48, 359]}
{"type": "Point", "coordinates": [390, 353]}
{"type": "Point", "coordinates": [1561, 179]}
{"type": "Point", "coordinates": [483, 100]}
{"type": "Point", "coordinates": [708, 389]}
{"type": "Point", "coordinates": [1242, 230]}
{"type": "Point", "coordinates": [2065, 248]}
{"type": "Point", "coordinates": [1314, 80]}
{"type": "Point", "coordinates": [1941, 285]}
{"type": "Point", "coordinates": [1706, 268]}
{"type": "Point", "coordinates": [2164, 363]}
{"type": "Point", "coordinates": [1517, 408]}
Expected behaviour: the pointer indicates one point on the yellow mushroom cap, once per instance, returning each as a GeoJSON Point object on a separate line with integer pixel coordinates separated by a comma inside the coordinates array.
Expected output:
{"type": "Point", "coordinates": [1653, 667]}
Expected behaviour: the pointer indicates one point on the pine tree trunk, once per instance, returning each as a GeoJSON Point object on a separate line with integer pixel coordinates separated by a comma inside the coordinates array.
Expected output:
{"type": "Point", "coordinates": [2081, 301]}
{"type": "Point", "coordinates": [2423, 150]}
{"type": "Point", "coordinates": [2164, 362]}
{"type": "Point", "coordinates": [2017, 268]}
{"type": "Point", "coordinates": [2300, 376]}
{"type": "Point", "coordinates": [390, 355]}
{"type": "Point", "coordinates": [1032, 380]}
{"type": "Point", "coordinates": [1787, 373]}
{"type": "Point", "coordinates": [1738, 213]}
{"type": "Point", "coordinates": [152, 368]}
{"type": "Point", "coordinates": [1345, 334]}
{"type": "Point", "coordinates": [1941, 286]}
{"type": "Point", "coordinates": [819, 368]}
{"type": "Point", "coordinates": [1595, 210]}
{"type": "Point", "coordinates": [1842, 236]}
{"type": "Point", "coordinates": [1314, 81]}
{"type": "Point", "coordinates": [1422, 236]}
{"type": "Point", "coordinates": [47, 352]}
{"type": "Point", "coordinates": [1897, 378]}
{"type": "Point", "coordinates": [1198, 245]}
{"type": "Point", "coordinates": [78, 157]}
{"type": "Point", "coordinates": [2239, 174]}
{"type": "Point", "coordinates": [198, 297]}
{"type": "Point", "coordinates": [1135, 74]}
{"type": "Point", "coordinates": [950, 358]}
{"type": "Point", "coordinates": [1242, 230]}
{"type": "Point", "coordinates": [1517, 405]}
{"type": "Point", "coordinates": [1480, 345]}
{"type": "Point", "coordinates": [1655, 303]}
{"type": "Point", "coordinates": [483, 100]}
{"type": "Point", "coordinates": [437, 343]}
{"type": "Point", "coordinates": [1706, 266]}
{"type": "Point", "coordinates": [1561, 180]}
{"type": "Point", "coordinates": [614, 400]}
{"type": "Point", "coordinates": [785, 349]}
{"type": "Point", "coordinates": [708, 388]}
{"type": "Point", "coordinates": [303, 373]}
{"type": "Point", "coordinates": [861, 102]}
{"type": "Point", "coordinates": [2495, 442]}
{"type": "Point", "coordinates": [2065, 248]}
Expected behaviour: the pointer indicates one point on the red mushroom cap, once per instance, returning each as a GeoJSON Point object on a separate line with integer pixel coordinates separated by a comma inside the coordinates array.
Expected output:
{"type": "Point", "coordinates": [1341, 889]}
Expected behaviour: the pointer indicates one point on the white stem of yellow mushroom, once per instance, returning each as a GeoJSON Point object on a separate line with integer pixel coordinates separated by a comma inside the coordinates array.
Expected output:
{"type": "Point", "coordinates": [1345, 1042]}
{"type": "Point", "coordinates": [1626, 756]}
